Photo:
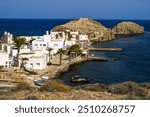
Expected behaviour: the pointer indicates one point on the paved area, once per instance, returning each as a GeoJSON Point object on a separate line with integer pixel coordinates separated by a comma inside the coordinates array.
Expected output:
{"type": "Point", "coordinates": [55, 64]}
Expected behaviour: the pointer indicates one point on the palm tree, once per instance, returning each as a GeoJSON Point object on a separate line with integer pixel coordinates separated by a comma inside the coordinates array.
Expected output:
{"type": "Point", "coordinates": [49, 50]}
{"type": "Point", "coordinates": [18, 42]}
{"type": "Point", "coordinates": [61, 52]}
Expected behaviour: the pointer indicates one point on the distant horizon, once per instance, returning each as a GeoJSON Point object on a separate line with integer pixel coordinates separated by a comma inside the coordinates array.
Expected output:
{"type": "Point", "coordinates": [70, 18]}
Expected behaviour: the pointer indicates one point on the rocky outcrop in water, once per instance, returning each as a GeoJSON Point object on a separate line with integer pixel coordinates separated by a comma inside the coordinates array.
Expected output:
{"type": "Point", "coordinates": [128, 28]}
{"type": "Point", "coordinates": [92, 28]}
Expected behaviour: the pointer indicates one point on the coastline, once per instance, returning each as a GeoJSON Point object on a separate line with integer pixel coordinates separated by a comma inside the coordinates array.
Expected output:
{"type": "Point", "coordinates": [65, 67]}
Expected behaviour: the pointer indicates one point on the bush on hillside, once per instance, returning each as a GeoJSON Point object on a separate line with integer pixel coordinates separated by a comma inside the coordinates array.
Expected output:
{"type": "Point", "coordinates": [55, 85]}
{"type": "Point", "coordinates": [94, 87]}
{"type": "Point", "coordinates": [23, 85]}
{"type": "Point", "coordinates": [133, 90]}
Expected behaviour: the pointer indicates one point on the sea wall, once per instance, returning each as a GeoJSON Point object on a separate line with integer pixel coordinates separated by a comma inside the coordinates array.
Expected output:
{"type": "Point", "coordinates": [65, 67]}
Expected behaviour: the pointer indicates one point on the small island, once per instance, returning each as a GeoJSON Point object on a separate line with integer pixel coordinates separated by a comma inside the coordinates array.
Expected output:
{"type": "Point", "coordinates": [128, 28]}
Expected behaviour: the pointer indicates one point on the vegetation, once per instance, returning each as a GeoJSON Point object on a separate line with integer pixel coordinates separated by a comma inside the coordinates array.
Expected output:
{"type": "Point", "coordinates": [60, 52]}
{"type": "Point", "coordinates": [24, 85]}
{"type": "Point", "coordinates": [132, 90]}
{"type": "Point", "coordinates": [95, 87]}
{"type": "Point", "coordinates": [49, 50]}
{"type": "Point", "coordinates": [23, 61]}
{"type": "Point", "coordinates": [18, 42]}
{"type": "Point", "coordinates": [55, 85]}
{"type": "Point", "coordinates": [74, 48]}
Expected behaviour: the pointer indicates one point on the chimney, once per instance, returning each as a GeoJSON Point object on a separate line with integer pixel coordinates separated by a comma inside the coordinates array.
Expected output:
{"type": "Point", "coordinates": [47, 33]}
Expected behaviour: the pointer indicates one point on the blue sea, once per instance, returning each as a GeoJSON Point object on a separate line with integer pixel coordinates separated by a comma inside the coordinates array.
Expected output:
{"type": "Point", "coordinates": [133, 63]}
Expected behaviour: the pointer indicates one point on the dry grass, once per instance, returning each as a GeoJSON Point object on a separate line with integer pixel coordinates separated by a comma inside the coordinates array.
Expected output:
{"type": "Point", "coordinates": [55, 85]}
{"type": "Point", "coordinates": [24, 85]}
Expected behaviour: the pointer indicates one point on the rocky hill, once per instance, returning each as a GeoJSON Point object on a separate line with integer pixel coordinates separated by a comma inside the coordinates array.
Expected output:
{"type": "Point", "coordinates": [95, 30]}
{"type": "Point", "coordinates": [128, 28]}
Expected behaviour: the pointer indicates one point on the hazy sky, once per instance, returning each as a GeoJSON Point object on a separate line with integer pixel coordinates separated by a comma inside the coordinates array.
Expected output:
{"type": "Point", "coordinates": [68, 9]}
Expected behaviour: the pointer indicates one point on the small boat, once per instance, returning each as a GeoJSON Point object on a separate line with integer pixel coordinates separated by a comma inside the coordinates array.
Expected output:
{"type": "Point", "coordinates": [114, 59]}
{"type": "Point", "coordinates": [38, 82]}
{"type": "Point", "coordinates": [79, 79]}
{"type": "Point", "coordinates": [45, 77]}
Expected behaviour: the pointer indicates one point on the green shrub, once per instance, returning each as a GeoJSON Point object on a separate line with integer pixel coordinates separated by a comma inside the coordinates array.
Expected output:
{"type": "Point", "coordinates": [55, 85]}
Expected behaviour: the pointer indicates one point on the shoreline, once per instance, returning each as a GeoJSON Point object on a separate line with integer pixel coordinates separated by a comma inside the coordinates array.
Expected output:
{"type": "Point", "coordinates": [65, 67]}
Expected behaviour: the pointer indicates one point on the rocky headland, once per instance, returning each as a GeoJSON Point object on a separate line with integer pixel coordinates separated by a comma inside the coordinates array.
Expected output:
{"type": "Point", "coordinates": [97, 32]}
{"type": "Point", "coordinates": [128, 28]}
{"type": "Point", "coordinates": [92, 28]}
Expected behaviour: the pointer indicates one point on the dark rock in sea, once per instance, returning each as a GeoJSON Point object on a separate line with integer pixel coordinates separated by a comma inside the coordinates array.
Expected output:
{"type": "Point", "coordinates": [128, 28]}
{"type": "Point", "coordinates": [92, 28]}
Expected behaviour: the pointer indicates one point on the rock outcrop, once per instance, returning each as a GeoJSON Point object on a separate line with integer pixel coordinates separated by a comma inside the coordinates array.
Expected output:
{"type": "Point", "coordinates": [92, 28]}
{"type": "Point", "coordinates": [128, 28]}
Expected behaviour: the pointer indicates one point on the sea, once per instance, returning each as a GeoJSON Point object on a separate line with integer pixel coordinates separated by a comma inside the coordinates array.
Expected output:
{"type": "Point", "coordinates": [133, 63]}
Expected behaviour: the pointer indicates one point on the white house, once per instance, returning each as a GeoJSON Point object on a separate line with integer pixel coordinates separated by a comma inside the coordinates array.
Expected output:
{"type": "Point", "coordinates": [24, 49]}
{"type": "Point", "coordinates": [4, 59]}
{"type": "Point", "coordinates": [57, 35]}
{"type": "Point", "coordinates": [39, 42]}
{"type": "Point", "coordinates": [33, 61]}
{"type": "Point", "coordinates": [7, 38]}
{"type": "Point", "coordinates": [57, 44]}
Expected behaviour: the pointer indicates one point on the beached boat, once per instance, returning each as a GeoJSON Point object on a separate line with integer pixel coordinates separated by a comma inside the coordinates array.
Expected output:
{"type": "Point", "coordinates": [79, 79]}
{"type": "Point", "coordinates": [114, 59]}
{"type": "Point", "coordinates": [38, 82]}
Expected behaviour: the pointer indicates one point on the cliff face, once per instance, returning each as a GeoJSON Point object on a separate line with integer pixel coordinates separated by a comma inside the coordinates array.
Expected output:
{"type": "Point", "coordinates": [128, 28]}
{"type": "Point", "coordinates": [92, 28]}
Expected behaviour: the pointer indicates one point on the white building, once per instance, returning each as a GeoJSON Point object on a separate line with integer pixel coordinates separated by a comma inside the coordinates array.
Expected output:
{"type": "Point", "coordinates": [23, 49]}
{"type": "Point", "coordinates": [56, 44]}
{"type": "Point", "coordinates": [39, 42]}
{"type": "Point", "coordinates": [57, 35]}
{"type": "Point", "coordinates": [7, 38]}
{"type": "Point", "coordinates": [4, 59]}
{"type": "Point", "coordinates": [33, 61]}
{"type": "Point", "coordinates": [36, 55]}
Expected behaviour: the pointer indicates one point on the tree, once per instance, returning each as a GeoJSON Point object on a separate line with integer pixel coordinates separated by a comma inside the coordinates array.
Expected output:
{"type": "Point", "coordinates": [18, 42]}
{"type": "Point", "coordinates": [49, 50]}
{"type": "Point", "coordinates": [74, 48]}
{"type": "Point", "coordinates": [61, 52]}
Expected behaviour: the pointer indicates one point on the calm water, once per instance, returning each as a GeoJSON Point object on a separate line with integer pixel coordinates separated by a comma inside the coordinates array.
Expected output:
{"type": "Point", "coordinates": [133, 63]}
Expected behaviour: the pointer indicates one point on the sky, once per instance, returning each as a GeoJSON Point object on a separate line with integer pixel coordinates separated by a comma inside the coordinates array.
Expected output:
{"type": "Point", "coordinates": [70, 9]}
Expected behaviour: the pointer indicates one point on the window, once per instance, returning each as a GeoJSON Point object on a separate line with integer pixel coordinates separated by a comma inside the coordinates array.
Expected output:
{"type": "Point", "coordinates": [40, 44]}
{"type": "Point", "coordinates": [55, 45]}
{"type": "Point", "coordinates": [36, 45]}
{"type": "Point", "coordinates": [44, 44]}
{"type": "Point", "coordinates": [38, 64]}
